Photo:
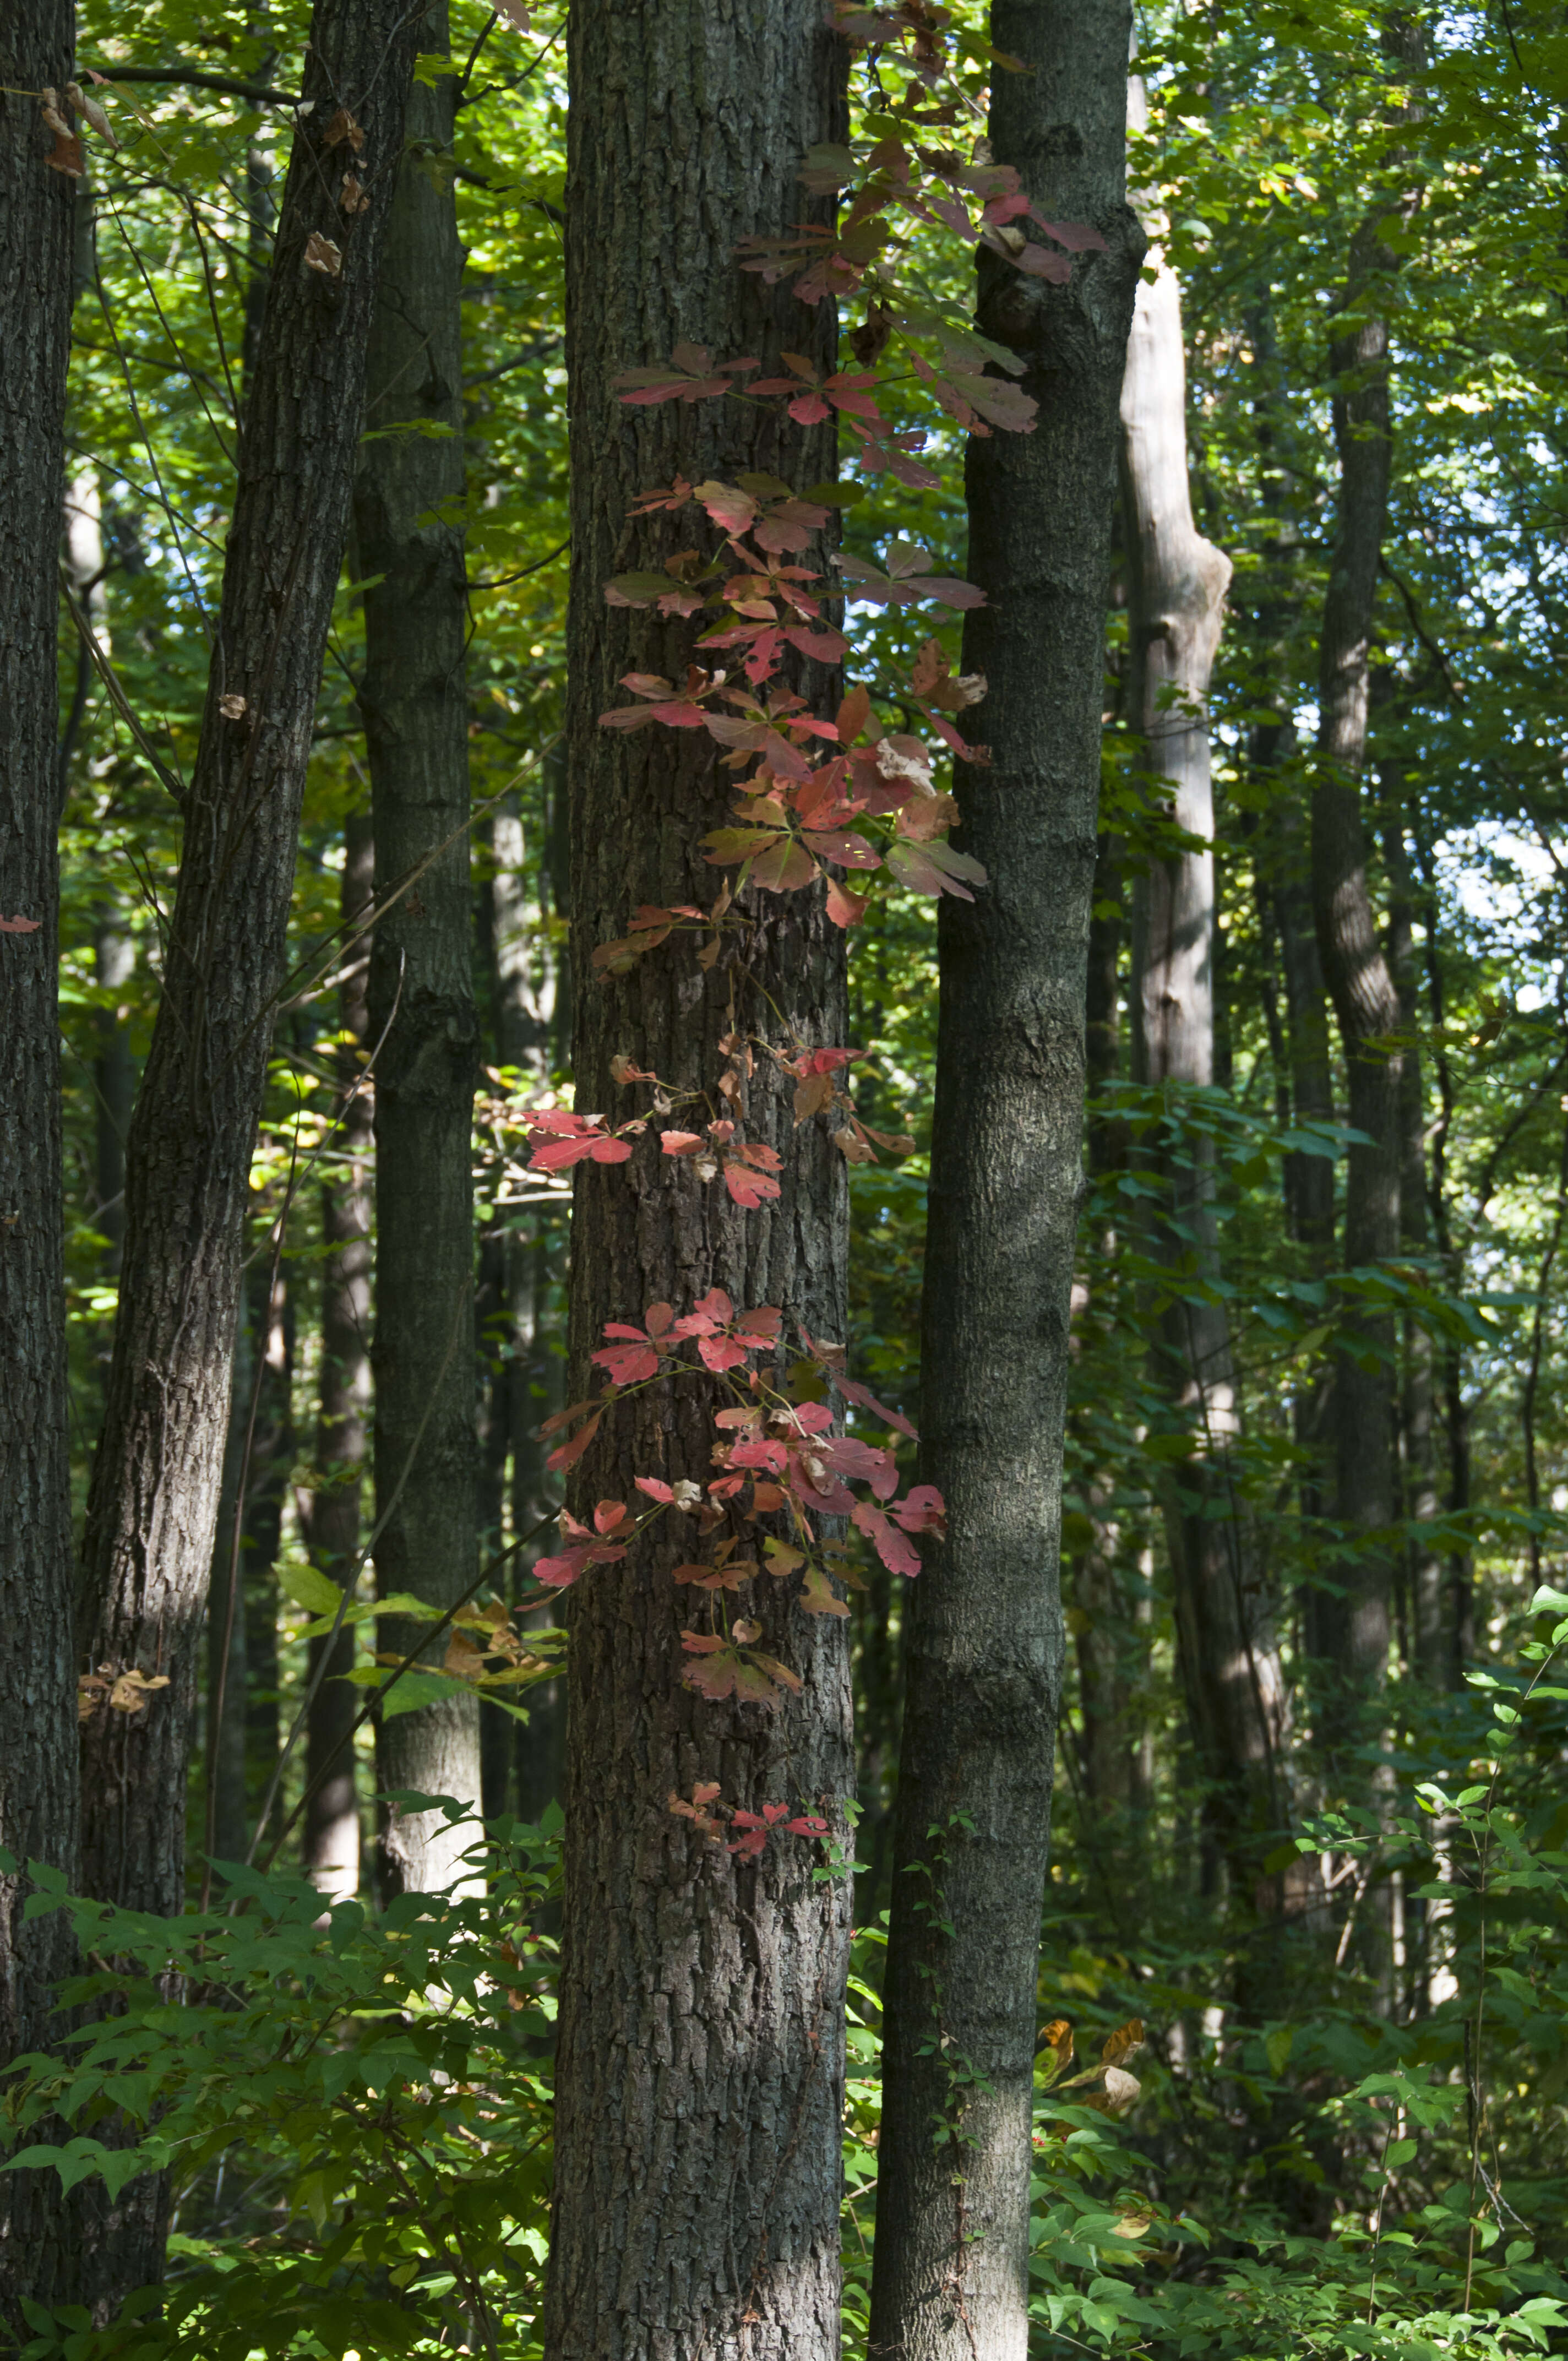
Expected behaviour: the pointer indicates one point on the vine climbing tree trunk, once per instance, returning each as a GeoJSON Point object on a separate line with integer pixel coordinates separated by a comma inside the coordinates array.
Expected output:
{"type": "Point", "coordinates": [37, 1741]}
{"type": "Point", "coordinates": [701, 2066]}
{"type": "Point", "coordinates": [414, 702]}
{"type": "Point", "coordinates": [153, 1498]}
{"type": "Point", "coordinates": [1175, 591]}
{"type": "Point", "coordinates": [984, 1648]}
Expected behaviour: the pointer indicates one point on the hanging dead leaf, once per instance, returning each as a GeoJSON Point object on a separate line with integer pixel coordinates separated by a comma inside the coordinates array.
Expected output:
{"type": "Point", "coordinates": [232, 707]}
{"type": "Point", "coordinates": [1115, 2097]}
{"type": "Point", "coordinates": [323, 255]}
{"type": "Point", "coordinates": [1055, 2053]}
{"type": "Point", "coordinates": [352, 198]}
{"type": "Point", "coordinates": [66, 154]}
{"type": "Point", "coordinates": [91, 112]}
{"type": "Point", "coordinates": [343, 131]}
{"type": "Point", "coordinates": [1123, 2042]}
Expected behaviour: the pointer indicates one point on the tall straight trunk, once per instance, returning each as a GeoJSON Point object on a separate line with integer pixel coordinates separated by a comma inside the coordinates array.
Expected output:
{"type": "Point", "coordinates": [1111, 1757]}
{"type": "Point", "coordinates": [155, 1483]}
{"type": "Point", "coordinates": [155, 1480]}
{"type": "Point", "coordinates": [1425, 1584]}
{"type": "Point", "coordinates": [701, 2055]}
{"type": "Point", "coordinates": [1459, 1611]}
{"type": "Point", "coordinates": [984, 1646]}
{"type": "Point", "coordinates": [38, 1743]}
{"type": "Point", "coordinates": [1175, 591]}
{"type": "Point", "coordinates": [261, 1530]}
{"type": "Point", "coordinates": [1354, 1609]}
{"type": "Point", "coordinates": [331, 1839]}
{"type": "Point", "coordinates": [414, 702]}
{"type": "Point", "coordinates": [226, 1812]}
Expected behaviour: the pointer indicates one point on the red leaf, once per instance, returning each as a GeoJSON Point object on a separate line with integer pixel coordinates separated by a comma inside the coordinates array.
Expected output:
{"type": "Point", "coordinates": [889, 1544]}
{"type": "Point", "coordinates": [21, 926]}
{"type": "Point", "coordinates": [656, 1488]}
{"type": "Point", "coordinates": [568, 1454]}
{"type": "Point", "coordinates": [748, 1188]}
{"type": "Point", "coordinates": [845, 909]}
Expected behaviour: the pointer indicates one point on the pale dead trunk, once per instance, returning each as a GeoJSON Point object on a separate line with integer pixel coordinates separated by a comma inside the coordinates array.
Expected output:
{"type": "Point", "coordinates": [1176, 581]}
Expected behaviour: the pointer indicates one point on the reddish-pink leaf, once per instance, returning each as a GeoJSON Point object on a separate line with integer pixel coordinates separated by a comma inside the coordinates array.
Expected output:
{"type": "Point", "coordinates": [566, 1454]}
{"type": "Point", "coordinates": [748, 1188]}
{"type": "Point", "coordinates": [895, 1552]}
{"type": "Point", "coordinates": [21, 926]}
{"type": "Point", "coordinates": [656, 1488]}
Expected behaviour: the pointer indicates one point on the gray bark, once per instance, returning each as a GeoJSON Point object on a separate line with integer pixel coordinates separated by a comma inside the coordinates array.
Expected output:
{"type": "Point", "coordinates": [1176, 590]}
{"type": "Point", "coordinates": [155, 1477]}
{"type": "Point", "coordinates": [416, 724]}
{"type": "Point", "coordinates": [984, 1646]}
{"type": "Point", "coordinates": [38, 1743]}
{"type": "Point", "coordinates": [331, 1838]}
{"type": "Point", "coordinates": [701, 2060]}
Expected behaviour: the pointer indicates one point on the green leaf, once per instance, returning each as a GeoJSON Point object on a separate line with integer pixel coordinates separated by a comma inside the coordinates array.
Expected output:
{"type": "Point", "coordinates": [308, 1586]}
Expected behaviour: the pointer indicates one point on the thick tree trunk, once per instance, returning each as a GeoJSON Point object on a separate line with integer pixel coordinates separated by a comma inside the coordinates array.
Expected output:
{"type": "Point", "coordinates": [984, 1648]}
{"type": "Point", "coordinates": [416, 724]}
{"type": "Point", "coordinates": [701, 2060]}
{"type": "Point", "coordinates": [1354, 1609]}
{"type": "Point", "coordinates": [1176, 590]}
{"type": "Point", "coordinates": [331, 1841]}
{"type": "Point", "coordinates": [38, 1743]}
{"type": "Point", "coordinates": [155, 1480]}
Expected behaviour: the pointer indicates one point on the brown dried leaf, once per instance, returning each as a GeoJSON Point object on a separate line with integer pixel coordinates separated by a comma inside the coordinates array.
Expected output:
{"type": "Point", "coordinates": [341, 129]}
{"type": "Point", "coordinates": [321, 255]}
{"type": "Point", "coordinates": [352, 197]}
{"type": "Point", "coordinates": [1123, 2042]}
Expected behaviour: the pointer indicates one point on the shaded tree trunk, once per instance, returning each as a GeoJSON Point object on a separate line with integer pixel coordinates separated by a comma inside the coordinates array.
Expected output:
{"type": "Point", "coordinates": [155, 1477]}
{"type": "Point", "coordinates": [38, 1742]}
{"type": "Point", "coordinates": [416, 725]}
{"type": "Point", "coordinates": [1353, 1610]}
{"type": "Point", "coordinates": [227, 1821]}
{"type": "Point", "coordinates": [1176, 581]}
{"type": "Point", "coordinates": [701, 2054]}
{"type": "Point", "coordinates": [1425, 1582]}
{"type": "Point", "coordinates": [984, 1646]}
{"type": "Point", "coordinates": [331, 1839]}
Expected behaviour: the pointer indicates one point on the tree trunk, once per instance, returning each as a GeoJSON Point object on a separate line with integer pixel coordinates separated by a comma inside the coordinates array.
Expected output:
{"type": "Point", "coordinates": [227, 1823]}
{"type": "Point", "coordinates": [1176, 582]}
{"type": "Point", "coordinates": [155, 1480]}
{"type": "Point", "coordinates": [1426, 1587]}
{"type": "Point", "coordinates": [984, 1646]}
{"type": "Point", "coordinates": [701, 2056]}
{"type": "Point", "coordinates": [37, 1745]}
{"type": "Point", "coordinates": [331, 1842]}
{"type": "Point", "coordinates": [272, 1446]}
{"type": "Point", "coordinates": [1354, 1613]}
{"type": "Point", "coordinates": [415, 706]}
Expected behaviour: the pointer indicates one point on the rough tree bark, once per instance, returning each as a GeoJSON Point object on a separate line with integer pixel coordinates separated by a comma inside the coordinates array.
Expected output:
{"type": "Point", "coordinates": [414, 702]}
{"type": "Point", "coordinates": [331, 1839]}
{"type": "Point", "coordinates": [700, 2064]}
{"type": "Point", "coordinates": [1353, 1607]}
{"type": "Point", "coordinates": [984, 1648]}
{"type": "Point", "coordinates": [155, 1480]}
{"type": "Point", "coordinates": [1176, 581]}
{"type": "Point", "coordinates": [38, 1743]}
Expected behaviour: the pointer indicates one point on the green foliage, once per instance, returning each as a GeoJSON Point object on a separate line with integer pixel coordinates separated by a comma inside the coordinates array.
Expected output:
{"type": "Point", "coordinates": [353, 2109]}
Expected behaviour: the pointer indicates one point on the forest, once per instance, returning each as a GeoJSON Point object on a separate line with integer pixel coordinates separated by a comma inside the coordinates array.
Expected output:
{"type": "Point", "coordinates": [784, 1180]}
